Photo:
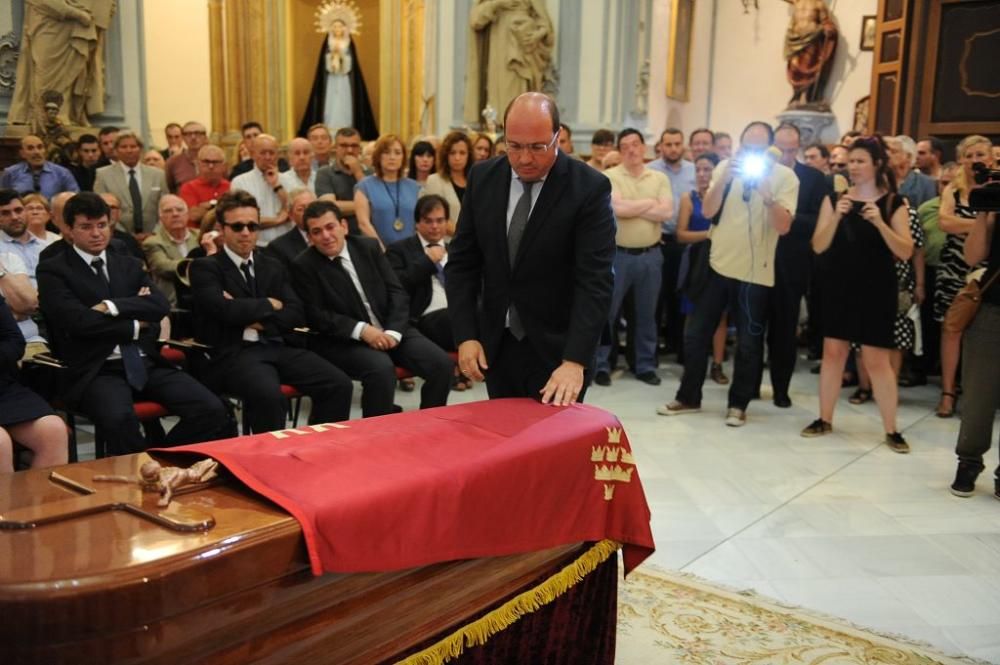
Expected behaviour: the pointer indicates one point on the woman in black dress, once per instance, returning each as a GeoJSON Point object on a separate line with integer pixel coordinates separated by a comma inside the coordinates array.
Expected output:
{"type": "Point", "coordinates": [861, 235]}
{"type": "Point", "coordinates": [24, 416]}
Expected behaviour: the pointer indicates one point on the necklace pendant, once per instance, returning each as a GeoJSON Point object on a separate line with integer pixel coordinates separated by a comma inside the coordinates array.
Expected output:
{"type": "Point", "coordinates": [398, 224]}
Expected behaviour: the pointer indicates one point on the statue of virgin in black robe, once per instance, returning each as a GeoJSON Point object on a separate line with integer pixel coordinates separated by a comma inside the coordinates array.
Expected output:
{"type": "Point", "coordinates": [362, 117]}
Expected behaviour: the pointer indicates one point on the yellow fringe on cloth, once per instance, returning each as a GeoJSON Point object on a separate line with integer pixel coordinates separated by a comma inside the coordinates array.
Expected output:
{"type": "Point", "coordinates": [481, 630]}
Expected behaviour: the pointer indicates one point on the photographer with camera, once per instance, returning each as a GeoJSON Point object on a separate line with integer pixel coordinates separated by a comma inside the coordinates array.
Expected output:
{"type": "Point", "coordinates": [861, 234]}
{"type": "Point", "coordinates": [957, 219]}
{"type": "Point", "coordinates": [752, 198]}
{"type": "Point", "coordinates": [980, 377]}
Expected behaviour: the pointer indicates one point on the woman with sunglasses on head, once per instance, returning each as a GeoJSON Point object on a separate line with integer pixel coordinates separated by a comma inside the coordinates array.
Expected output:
{"type": "Point", "coordinates": [957, 219]}
{"type": "Point", "coordinates": [384, 202]}
{"type": "Point", "coordinates": [454, 163]}
{"type": "Point", "coordinates": [861, 234]}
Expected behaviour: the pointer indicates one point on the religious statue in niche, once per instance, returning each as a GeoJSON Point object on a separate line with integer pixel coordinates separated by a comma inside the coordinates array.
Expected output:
{"type": "Point", "coordinates": [810, 44]}
{"type": "Point", "coordinates": [510, 51]}
{"type": "Point", "coordinates": [339, 97]}
{"type": "Point", "coordinates": [62, 50]}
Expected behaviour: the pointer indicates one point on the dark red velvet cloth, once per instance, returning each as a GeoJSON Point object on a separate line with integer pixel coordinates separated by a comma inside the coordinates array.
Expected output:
{"type": "Point", "coordinates": [460, 482]}
{"type": "Point", "coordinates": [577, 627]}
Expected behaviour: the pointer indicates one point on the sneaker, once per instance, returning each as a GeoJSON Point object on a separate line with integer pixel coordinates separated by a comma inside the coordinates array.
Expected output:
{"type": "Point", "coordinates": [676, 408]}
{"type": "Point", "coordinates": [649, 378]}
{"type": "Point", "coordinates": [965, 478]}
{"type": "Point", "coordinates": [818, 427]}
{"type": "Point", "coordinates": [736, 417]}
{"type": "Point", "coordinates": [897, 443]}
{"type": "Point", "coordinates": [718, 375]}
{"type": "Point", "coordinates": [602, 379]}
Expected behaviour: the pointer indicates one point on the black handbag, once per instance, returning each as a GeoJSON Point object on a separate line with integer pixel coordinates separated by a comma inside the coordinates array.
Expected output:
{"type": "Point", "coordinates": [699, 254]}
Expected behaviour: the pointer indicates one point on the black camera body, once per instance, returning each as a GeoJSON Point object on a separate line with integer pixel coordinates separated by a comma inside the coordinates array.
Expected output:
{"type": "Point", "coordinates": [987, 197]}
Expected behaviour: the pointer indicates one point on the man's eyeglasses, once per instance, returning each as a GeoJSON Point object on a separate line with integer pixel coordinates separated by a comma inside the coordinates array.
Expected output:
{"type": "Point", "coordinates": [197, 132]}
{"type": "Point", "coordinates": [533, 148]}
{"type": "Point", "coordinates": [210, 162]}
{"type": "Point", "coordinates": [349, 146]}
{"type": "Point", "coordinates": [240, 227]}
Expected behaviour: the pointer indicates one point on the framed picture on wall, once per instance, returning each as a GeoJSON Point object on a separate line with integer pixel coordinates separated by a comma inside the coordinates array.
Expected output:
{"type": "Point", "coordinates": [868, 33]}
{"type": "Point", "coordinates": [679, 55]}
{"type": "Point", "coordinates": [861, 114]}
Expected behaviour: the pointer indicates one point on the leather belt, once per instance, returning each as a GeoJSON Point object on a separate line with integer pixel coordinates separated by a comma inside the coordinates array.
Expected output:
{"type": "Point", "coordinates": [635, 251]}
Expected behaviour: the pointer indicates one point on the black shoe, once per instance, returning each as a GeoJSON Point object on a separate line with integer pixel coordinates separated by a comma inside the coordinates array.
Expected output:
{"type": "Point", "coordinates": [965, 478]}
{"type": "Point", "coordinates": [815, 369]}
{"type": "Point", "coordinates": [649, 378]}
{"type": "Point", "coordinates": [996, 486]}
{"type": "Point", "coordinates": [897, 443]}
{"type": "Point", "coordinates": [602, 379]}
{"type": "Point", "coordinates": [396, 408]}
{"type": "Point", "coordinates": [782, 401]}
{"type": "Point", "coordinates": [911, 380]}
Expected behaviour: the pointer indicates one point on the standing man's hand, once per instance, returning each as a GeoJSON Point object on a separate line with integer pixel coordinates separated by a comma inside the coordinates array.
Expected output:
{"type": "Point", "coordinates": [472, 360]}
{"type": "Point", "coordinates": [564, 385]}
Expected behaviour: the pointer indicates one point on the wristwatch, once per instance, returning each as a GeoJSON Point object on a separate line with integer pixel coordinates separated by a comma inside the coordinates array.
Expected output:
{"type": "Point", "coordinates": [278, 188]}
{"type": "Point", "coordinates": [3, 273]}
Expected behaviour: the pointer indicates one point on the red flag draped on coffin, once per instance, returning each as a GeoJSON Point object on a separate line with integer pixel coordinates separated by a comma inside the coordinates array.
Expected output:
{"type": "Point", "coordinates": [466, 481]}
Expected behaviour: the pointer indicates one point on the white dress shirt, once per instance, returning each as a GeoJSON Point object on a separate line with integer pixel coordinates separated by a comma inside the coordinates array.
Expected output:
{"type": "Point", "coordinates": [439, 299]}
{"type": "Point", "coordinates": [253, 182]}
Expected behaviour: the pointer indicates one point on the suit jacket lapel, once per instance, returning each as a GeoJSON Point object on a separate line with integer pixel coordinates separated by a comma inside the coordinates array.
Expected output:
{"type": "Point", "coordinates": [81, 267]}
{"type": "Point", "coordinates": [366, 275]}
{"type": "Point", "coordinates": [552, 188]}
{"type": "Point", "coordinates": [232, 275]}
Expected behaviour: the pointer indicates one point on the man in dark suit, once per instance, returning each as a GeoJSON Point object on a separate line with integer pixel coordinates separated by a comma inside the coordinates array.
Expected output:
{"type": "Point", "coordinates": [245, 309]}
{"type": "Point", "coordinates": [792, 266]}
{"type": "Point", "coordinates": [535, 242]}
{"type": "Point", "coordinates": [361, 312]}
{"type": "Point", "coordinates": [419, 263]}
{"type": "Point", "coordinates": [103, 314]}
{"type": "Point", "coordinates": [286, 247]}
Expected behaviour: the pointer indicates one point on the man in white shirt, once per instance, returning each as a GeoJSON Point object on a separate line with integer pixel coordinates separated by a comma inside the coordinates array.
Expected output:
{"type": "Point", "coordinates": [264, 184]}
{"type": "Point", "coordinates": [302, 175]}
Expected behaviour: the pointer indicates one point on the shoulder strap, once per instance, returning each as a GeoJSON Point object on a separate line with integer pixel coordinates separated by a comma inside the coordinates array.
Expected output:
{"type": "Point", "coordinates": [725, 195]}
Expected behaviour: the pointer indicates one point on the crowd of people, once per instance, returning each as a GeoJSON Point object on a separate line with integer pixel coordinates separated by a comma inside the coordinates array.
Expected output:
{"type": "Point", "coordinates": [325, 261]}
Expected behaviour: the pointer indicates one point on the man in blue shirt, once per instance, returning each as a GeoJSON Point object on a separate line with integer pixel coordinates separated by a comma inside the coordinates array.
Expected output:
{"type": "Point", "coordinates": [680, 172]}
{"type": "Point", "coordinates": [36, 174]}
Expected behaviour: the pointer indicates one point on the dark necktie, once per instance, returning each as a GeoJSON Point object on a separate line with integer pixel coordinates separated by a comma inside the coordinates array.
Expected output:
{"type": "Point", "coordinates": [133, 190]}
{"type": "Point", "coordinates": [132, 362]}
{"type": "Point", "coordinates": [437, 266]}
{"type": "Point", "coordinates": [36, 180]}
{"type": "Point", "coordinates": [97, 264]}
{"type": "Point", "coordinates": [518, 221]}
{"type": "Point", "coordinates": [248, 276]}
{"type": "Point", "coordinates": [339, 264]}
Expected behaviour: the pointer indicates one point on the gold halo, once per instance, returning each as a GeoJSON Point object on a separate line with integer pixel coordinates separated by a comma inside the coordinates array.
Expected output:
{"type": "Point", "coordinates": [344, 11]}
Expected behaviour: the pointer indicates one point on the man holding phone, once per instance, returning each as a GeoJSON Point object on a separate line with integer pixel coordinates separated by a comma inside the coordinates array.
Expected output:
{"type": "Point", "coordinates": [754, 198]}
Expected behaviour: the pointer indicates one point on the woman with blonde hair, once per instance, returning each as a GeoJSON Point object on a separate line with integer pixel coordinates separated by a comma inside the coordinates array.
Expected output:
{"type": "Point", "coordinates": [454, 163]}
{"type": "Point", "coordinates": [957, 220]}
{"type": "Point", "coordinates": [38, 215]}
{"type": "Point", "coordinates": [384, 202]}
{"type": "Point", "coordinates": [482, 147]}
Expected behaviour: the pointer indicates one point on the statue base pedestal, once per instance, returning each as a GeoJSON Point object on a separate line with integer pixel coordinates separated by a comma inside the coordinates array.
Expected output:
{"type": "Point", "coordinates": [20, 131]}
{"type": "Point", "coordinates": [810, 123]}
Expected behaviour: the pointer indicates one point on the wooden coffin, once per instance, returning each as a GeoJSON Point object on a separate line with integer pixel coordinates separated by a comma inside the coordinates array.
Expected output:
{"type": "Point", "coordinates": [109, 585]}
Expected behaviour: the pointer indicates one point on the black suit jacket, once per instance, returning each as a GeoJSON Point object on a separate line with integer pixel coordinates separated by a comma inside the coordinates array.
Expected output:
{"type": "Point", "coordinates": [561, 280]}
{"type": "Point", "coordinates": [813, 188]}
{"type": "Point", "coordinates": [415, 272]}
{"type": "Point", "coordinates": [333, 306]}
{"type": "Point", "coordinates": [83, 338]}
{"type": "Point", "coordinates": [219, 321]}
{"type": "Point", "coordinates": [286, 247]}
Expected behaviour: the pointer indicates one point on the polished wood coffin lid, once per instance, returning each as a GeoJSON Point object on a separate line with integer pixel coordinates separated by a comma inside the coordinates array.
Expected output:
{"type": "Point", "coordinates": [113, 587]}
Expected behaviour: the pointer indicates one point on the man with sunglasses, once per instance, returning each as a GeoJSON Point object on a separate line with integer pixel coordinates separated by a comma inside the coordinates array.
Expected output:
{"type": "Point", "coordinates": [246, 310]}
{"type": "Point", "coordinates": [535, 246]}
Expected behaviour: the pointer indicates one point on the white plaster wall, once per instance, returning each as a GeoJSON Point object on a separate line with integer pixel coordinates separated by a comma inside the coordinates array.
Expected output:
{"type": "Point", "coordinates": [178, 72]}
{"type": "Point", "coordinates": [749, 68]}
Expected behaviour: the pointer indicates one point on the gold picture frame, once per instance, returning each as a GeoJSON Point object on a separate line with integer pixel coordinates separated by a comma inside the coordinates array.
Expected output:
{"type": "Point", "coordinates": [679, 52]}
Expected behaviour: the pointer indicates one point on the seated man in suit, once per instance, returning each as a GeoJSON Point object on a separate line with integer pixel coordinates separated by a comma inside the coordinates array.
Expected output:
{"type": "Point", "coordinates": [419, 263]}
{"type": "Point", "coordinates": [286, 247]}
{"type": "Point", "coordinates": [356, 304]}
{"type": "Point", "coordinates": [244, 307]}
{"type": "Point", "coordinates": [169, 245]}
{"type": "Point", "coordinates": [103, 314]}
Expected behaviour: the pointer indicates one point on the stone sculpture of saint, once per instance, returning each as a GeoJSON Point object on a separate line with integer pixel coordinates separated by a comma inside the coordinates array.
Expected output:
{"type": "Point", "coordinates": [510, 49]}
{"type": "Point", "coordinates": [810, 44]}
{"type": "Point", "coordinates": [62, 50]}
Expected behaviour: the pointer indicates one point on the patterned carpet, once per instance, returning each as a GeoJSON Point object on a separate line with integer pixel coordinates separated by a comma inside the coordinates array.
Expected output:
{"type": "Point", "coordinates": [671, 618]}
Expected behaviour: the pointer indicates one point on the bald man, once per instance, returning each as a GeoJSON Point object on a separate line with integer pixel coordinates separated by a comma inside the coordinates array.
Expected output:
{"type": "Point", "coordinates": [545, 284]}
{"type": "Point", "coordinates": [201, 194]}
{"type": "Point", "coordinates": [264, 183]}
{"type": "Point", "coordinates": [302, 175]}
{"type": "Point", "coordinates": [169, 245]}
{"type": "Point", "coordinates": [34, 173]}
